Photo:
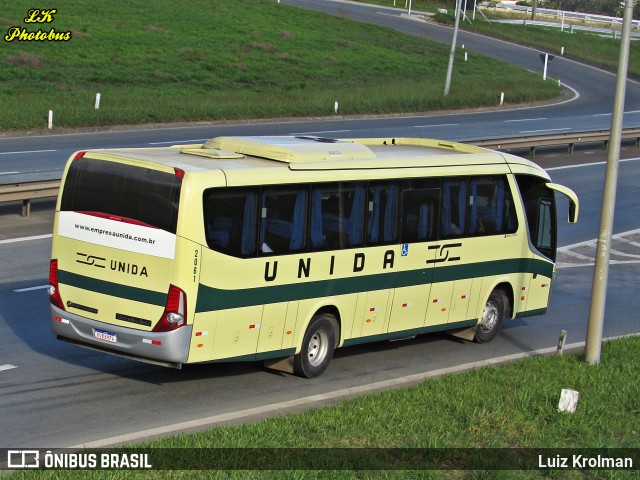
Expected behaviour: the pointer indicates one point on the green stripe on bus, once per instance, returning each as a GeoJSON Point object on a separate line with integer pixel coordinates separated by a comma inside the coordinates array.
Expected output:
{"type": "Point", "coordinates": [212, 299]}
{"type": "Point", "coordinates": [112, 289]}
{"type": "Point", "coordinates": [531, 313]}
{"type": "Point", "coordinates": [411, 332]}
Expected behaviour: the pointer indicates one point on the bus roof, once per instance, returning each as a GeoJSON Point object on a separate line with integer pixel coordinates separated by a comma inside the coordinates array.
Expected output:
{"type": "Point", "coordinates": [316, 153]}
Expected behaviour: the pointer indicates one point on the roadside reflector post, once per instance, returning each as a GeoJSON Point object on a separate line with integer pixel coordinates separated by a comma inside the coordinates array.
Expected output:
{"type": "Point", "coordinates": [568, 400]}
{"type": "Point", "coordinates": [601, 268]}
{"type": "Point", "coordinates": [501, 98]}
{"type": "Point", "coordinates": [562, 342]}
{"type": "Point", "coordinates": [546, 60]}
{"type": "Point", "coordinates": [50, 122]}
{"type": "Point", "coordinates": [335, 107]}
{"type": "Point", "coordinates": [97, 101]}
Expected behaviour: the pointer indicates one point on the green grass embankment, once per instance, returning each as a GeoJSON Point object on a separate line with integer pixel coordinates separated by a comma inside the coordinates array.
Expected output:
{"type": "Point", "coordinates": [514, 405]}
{"type": "Point", "coordinates": [221, 60]}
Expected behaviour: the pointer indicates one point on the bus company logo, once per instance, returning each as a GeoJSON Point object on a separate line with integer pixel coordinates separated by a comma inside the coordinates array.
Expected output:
{"type": "Point", "coordinates": [40, 17]}
{"type": "Point", "coordinates": [23, 459]}
{"type": "Point", "coordinates": [90, 260]}
{"type": "Point", "coordinates": [442, 253]}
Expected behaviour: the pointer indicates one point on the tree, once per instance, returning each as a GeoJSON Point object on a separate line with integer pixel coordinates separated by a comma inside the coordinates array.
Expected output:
{"type": "Point", "coordinates": [600, 7]}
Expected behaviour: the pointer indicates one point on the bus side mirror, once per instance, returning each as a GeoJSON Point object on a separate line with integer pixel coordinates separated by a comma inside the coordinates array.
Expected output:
{"type": "Point", "coordinates": [571, 196]}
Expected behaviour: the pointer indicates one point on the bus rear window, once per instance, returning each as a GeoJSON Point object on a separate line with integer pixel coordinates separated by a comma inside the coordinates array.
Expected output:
{"type": "Point", "coordinates": [141, 194]}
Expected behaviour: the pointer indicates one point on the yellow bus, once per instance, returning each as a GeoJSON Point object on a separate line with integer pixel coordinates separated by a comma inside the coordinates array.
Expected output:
{"type": "Point", "coordinates": [282, 249]}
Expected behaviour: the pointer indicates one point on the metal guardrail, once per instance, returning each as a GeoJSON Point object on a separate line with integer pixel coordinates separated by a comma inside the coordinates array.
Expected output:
{"type": "Point", "coordinates": [569, 139]}
{"type": "Point", "coordinates": [28, 191]}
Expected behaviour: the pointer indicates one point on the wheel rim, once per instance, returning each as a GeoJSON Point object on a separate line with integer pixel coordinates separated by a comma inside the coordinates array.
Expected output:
{"type": "Point", "coordinates": [317, 348]}
{"type": "Point", "coordinates": [490, 317]}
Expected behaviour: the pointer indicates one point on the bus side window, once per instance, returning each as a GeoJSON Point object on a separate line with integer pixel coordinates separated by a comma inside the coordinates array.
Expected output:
{"type": "Point", "coordinates": [454, 208]}
{"type": "Point", "coordinates": [283, 220]}
{"type": "Point", "coordinates": [491, 208]}
{"type": "Point", "coordinates": [382, 215]}
{"type": "Point", "coordinates": [337, 215]}
{"type": "Point", "coordinates": [230, 220]}
{"type": "Point", "coordinates": [420, 211]}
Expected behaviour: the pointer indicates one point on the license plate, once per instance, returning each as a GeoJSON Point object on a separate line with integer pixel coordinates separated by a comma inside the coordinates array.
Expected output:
{"type": "Point", "coordinates": [107, 336]}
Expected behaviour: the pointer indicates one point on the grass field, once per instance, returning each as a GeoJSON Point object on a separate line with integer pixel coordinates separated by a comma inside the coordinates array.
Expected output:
{"type": "Point", "coordinates": [218, 59]}
{"type": "Point", "coordinates": [510, 406]}
{"type": "Point", "coordinates": [593, 49]}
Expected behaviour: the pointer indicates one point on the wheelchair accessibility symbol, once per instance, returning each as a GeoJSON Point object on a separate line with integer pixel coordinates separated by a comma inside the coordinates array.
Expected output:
{"type": "Point", "coordinates": [405, 249]}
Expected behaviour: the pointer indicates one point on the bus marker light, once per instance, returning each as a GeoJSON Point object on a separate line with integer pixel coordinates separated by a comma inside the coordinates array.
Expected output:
{"type": "Point", "coordinates": [289, 332]}
{"type": "Point", "coordinates": [200, 345]}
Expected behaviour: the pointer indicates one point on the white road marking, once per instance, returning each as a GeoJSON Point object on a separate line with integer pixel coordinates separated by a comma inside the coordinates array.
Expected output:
{"type": "Point", "coordinates": [440, 125]}
{"type": "Point", "coordinates": [593, 244]}
{"type": "Point", "coordinates": [8, 173]}
{"type": "Point", "coordinates": [7, 367]}
{"type": "Point", "coordinates": [26, 151]}
{"type": "Point", "coordinates": [25, 239]}
{"type": "Point", "coordinates": [174, 142]}
{"type": "Point", "coordinates": [526, 120]}
{"type": "Point", "coordinates": [30, 289]}
{"type": "Point", "coordinates": [590, 164]}
{"type": "Point", "coordinates": [547, 130]}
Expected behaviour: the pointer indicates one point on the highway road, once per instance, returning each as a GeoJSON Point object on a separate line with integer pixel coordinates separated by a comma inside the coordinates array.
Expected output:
{"type": "Point", "coordinates": [587, 106]}
{"type": "Point", "coordinates": [56, 395]}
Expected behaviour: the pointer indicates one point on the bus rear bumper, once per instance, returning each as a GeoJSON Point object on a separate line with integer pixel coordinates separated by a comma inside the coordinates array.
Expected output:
{"type": "Point", "coordinates": [169, 349]}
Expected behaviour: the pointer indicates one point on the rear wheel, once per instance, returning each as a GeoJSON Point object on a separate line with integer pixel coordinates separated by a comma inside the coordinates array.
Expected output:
{"type": "Point", "coordinates": [492, 316]}
{"type": "Point", "coordinates": [318, 345]}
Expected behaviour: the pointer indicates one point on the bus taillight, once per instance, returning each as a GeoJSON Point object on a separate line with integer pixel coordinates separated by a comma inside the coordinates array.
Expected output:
{"type": "Point", "coordinates": [54, 291]}
{"type": "Point", "coordinates": [174, 315]}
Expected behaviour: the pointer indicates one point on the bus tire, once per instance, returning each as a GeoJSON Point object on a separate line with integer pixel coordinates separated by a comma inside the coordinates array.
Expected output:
{"type": "Point", "coordinates": [318, 345]}
{"type": "Point", "coordinates": [492, 316]}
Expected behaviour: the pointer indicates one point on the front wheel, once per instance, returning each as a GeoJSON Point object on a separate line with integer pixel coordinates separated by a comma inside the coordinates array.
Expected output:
{"type": "Point", "coordinates": [318, 345]}
{"type": "Point", "coordinates": [492, 316]}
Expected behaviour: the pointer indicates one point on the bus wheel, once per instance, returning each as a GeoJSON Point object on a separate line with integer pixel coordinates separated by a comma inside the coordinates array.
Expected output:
{"type": "Point", "coordinates": [317, 347]}
{"type": "Point", "coordinates": [492, 316]}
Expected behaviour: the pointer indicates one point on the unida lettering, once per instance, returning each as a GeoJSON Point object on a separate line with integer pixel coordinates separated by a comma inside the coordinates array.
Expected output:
{"type": "Point", "coordinates": [130, 268]}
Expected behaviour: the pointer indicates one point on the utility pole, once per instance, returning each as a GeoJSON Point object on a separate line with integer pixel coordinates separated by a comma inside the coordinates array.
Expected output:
{"type": "Point", "coordinates": [452, 54]}
{"type": "Point", "coordinates": [601, 269]}
{"type": "Point", "coordinates": [534, 7]}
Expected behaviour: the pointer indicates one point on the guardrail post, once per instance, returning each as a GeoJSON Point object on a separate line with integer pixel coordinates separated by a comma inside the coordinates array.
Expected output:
{"type": "Point", "coordinates": [26, 208]}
